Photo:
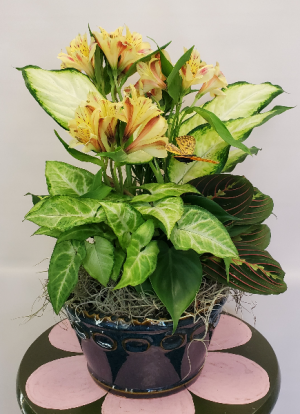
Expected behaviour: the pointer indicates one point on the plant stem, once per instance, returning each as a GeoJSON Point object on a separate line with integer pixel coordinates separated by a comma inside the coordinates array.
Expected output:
{"type": "Point", "coordinates": [120, 179]}
{"type": "Point", "coordinates": [157, 173]}
{"type": "Point", "coordinates": [114, 176]}
{"type": "Point", "coordinates": [128, 175]}
{"type": "Point", "coordinates": [117, 86]}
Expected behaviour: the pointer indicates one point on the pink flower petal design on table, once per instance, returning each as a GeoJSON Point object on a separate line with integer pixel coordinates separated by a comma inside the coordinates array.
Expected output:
{"type": "Point", "coordinates": [229, 333]}
{"type": "Point", "coordinates": [180, 403]}
{"type": "Point", "coordinates": [231, 379]}
{"type": "Point", "coordinates": [63, 384]}
{"type": "Point", "coordinates": [63, 336]}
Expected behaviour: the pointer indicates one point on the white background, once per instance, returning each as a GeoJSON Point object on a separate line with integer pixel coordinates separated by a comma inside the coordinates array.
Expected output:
{"type": "Point", "coordinates": [254, 41]}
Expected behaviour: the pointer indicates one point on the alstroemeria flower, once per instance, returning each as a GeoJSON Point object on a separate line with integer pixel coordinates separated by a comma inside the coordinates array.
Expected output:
{"type": "Point", "coordinates": [135, 111]}
{"type": "Point", "coordinates": [112, 45]}
{"type": "Point", "coordinates": [195, 71]}
{"type": "Point", "coordinates": [135, 49]}
{"type": "Point", "coordinates": [94, 125]}
{"type": "Point", "coordinates": [78, 56]}
{"type": "Point", "coordinates": [215, 84]}
{"type": "Point", "coordinates": [152, 79]}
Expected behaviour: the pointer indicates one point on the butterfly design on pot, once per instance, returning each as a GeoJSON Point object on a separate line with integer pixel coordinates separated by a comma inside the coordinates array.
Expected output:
{"type": "Point", "coordinates": [185, 152]}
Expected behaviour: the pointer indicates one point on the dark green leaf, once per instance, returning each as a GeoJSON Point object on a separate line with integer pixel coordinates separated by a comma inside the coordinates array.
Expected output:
{"type": "Point", "coordinates": [99, 193]}
{"type": "Point", "coordinates": [176, 279]}
{"type": "Point", "coordinates": [174, 80]}
{"type": "Point", "coordinates": [119, 257]}
{"type": "Point", "coordinates": [258, 236]}
{"type": "Point", "coordinates": [166, 65]}
{"type": "Point", "coordinates": [260, 208]}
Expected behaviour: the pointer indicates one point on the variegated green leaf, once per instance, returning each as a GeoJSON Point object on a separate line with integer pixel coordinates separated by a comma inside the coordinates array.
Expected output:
{"type": "Point", "coordinates": [210, 145]}
{"type": "Point", "coordinates": [65, 179]}
{"type": "Point", "coordinates": [99, 259]}
{"type": "Point", "coordinates": [201, 231]}
{"type": "Point", "coordinates": [242, 100]}
{"type": "Point", "coordinates": [119, 257]}
{"type": "Point", "coordinates": [45, 231]}
{"type": "Point", "coordinates": [167, 210]}
{"type": "Point", "coordinates": [87, 230]}
{"type": "Point", "coordinates": [63, 212]}
{"type": "Point", "coordinates": [59, 92]}
{"type": "Point", "coordinates": [141, 256]}
{"type": "Point", "coordinates": [159, 191]}
{"type": "Point", "coordinates": [234, 157]}
{"type": "Point", "coordinates": [123, 219]}
{"type": "Point", "coordinates": [63, 271]}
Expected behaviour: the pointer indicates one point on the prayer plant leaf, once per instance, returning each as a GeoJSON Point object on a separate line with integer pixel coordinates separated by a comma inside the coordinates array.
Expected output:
{"type": "Point", "coordinates": [174, 80]}
{"type": "Point", "coordinates": [65, 179]}
{"type": "Point", "coordinates": [176, 279]}
{"type": "Point", "coordinates": [85, 231]}
{"type": "Point", "coordinates": [63, 271]}
{"type": "Point", "coordinates": [167, 210]}
{"type": "Point", "coordinates": [256, 272]}
{"type": "Point", "coordinates": [81, 156]}
{"type": "Point", "coordinates": [64, 212]}
{"type": "Point", "coordinates": [119, 256]}
{"type": "Point", "coordinates": [257, 236]}
{"type": "Point", "coordinates": [201, 231]}
{"type": "Point", "coordinates": [159, 191]}
{"type": "Point", "coordinates": [242, 100]}
{"type": "Point", "coordinates": [99, 259]}
{"type": "Point", "coordinates": [59, 92]}
{"type": "Point", "coordinates": [123, 219]}
{"type": "Point", "coordinates": [209, 205]}
{"type": "Point", "coordinates": [233, 193]}
{"type": "Point", "coordinates": [141, 256]}
{"type": "Point", "coordinates": [259, 210]}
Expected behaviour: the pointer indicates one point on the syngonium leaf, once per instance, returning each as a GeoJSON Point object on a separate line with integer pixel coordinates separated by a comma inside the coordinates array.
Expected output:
{"type": "Point", "coordinates": [99, 193]}
{"type": "Point", "coordinates": [87, 230]}
{"type": "Point", "coordinates": [64, 212]}
{"type": "Point", "coordinates": [65, 179]}
{"type": "Point", "coordinates": [123, 219]}
{"type": "Point", "coordinates": [211, 146]}
{"type": "Point", "coordinates": [159, 191]}
{"type": "Point", "coordinates": [242, 100]}
{"type": "Point", "coordinates": [201, 231]}
{"type": "Point", "coordinates": [257, 236]}
{"type": "Point", "coordinates": [59, 92]}
{"type": "Point", "coordinates": [119, 257]}
{"type": "Point", "coordinates": [168, 210]}
{"type": "Point", "coordinates": [255, 272]}
{"type": "Point", "coordinates": [176, 279]}
{"type": "Point", "coordinates": [45, 231]}
{"type": "Point", "coordinates": [99, 259]}
{"type": "Point", "coordinates": [141, 256]}
{"type": "Point", "coordinates": [63, 271]}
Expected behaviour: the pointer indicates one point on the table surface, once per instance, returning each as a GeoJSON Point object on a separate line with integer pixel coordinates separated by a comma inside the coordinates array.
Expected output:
{"type": "Point", "coordinates": [256, 349]}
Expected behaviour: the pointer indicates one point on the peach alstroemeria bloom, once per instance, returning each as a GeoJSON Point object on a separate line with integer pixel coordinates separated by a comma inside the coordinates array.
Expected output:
{"type": "Point", "coordinates": [94, 125]}
{"type": "Point", "coordinates": [135, 50]}
{"type": "Point", "coordinates": [149, 138]}
{"type": "Point", "coordinates": [194, 71]}
{"type": "Point", "coordinates": [112, 45]}
{"type": "Point", "coordinates": [78, 56]}
{"type": "Point", "coordinates": [215, 84]}
{"type": "Point", "coordinates": [135, 111]}
{"type": "Point", "coordinates": [152, 79]}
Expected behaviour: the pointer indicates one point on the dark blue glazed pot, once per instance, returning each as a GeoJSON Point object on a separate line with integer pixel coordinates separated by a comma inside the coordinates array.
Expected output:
{"type": "Point", "coordinates": [143, 359]}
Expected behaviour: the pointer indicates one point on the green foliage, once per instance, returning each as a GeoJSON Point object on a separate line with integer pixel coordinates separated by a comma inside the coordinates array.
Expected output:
{"type": "Point", "coordinates": [63, 271]}
{"type": "Point", "coordinates": [159, 191]}
{"type": "Point", "coordinates": [85, 231]}
{"type": "Point", "coordinates": [119, 258]}
{"type": "Point", "coordinates": [141, 256]}
{"type": "Point", "coordinates": [257, 236]}
{"type": "Point", "coordinates": [260, 208]}
{"type": "Point", "coordinates": [99, 259]}
{"type": "Point", "coordinates": [176, 279]}
{"type": "Point", "coordinates": [174, 79]}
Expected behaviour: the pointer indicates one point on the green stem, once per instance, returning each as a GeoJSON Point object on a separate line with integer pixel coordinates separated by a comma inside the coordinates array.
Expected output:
{"type": "Point", "coordinates": [118, 87]}
{"type": "Point", "coordinates": [120, 179]}
{"type": "Point", "coordinates": [157, 173]}
{"type": "Point", "coordinates": [114, 175]}
{"type": "Point", "coordinates": [128, 176]}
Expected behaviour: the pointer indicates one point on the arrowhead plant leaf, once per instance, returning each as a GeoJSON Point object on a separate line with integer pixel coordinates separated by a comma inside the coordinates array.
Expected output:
{"type": "Point", "coordinates": [99, 259]}
{"type": "Point", "coordinates": [159, 191]}
{"type": "Point", "coordinates": [63, 271]}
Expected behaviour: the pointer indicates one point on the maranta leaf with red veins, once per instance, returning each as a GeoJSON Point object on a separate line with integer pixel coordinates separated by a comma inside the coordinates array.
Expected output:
{"type": "Point", "coordinates": [257, 236]}
{"type": "Point", "coordinates": [259, 210]}
{"type": "Point", "coordinates": [255, 272]}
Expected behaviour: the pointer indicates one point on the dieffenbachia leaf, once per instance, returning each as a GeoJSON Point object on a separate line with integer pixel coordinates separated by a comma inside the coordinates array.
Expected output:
{"type": "Point", "coordinates": [64, 212]}
{"type": "Point", "coordinates": [119, 257]}
{"type": "Point", "coordinates": [85, 231]}
{"type": "Point", "coordinates": [65, 179]}
{"type": "Point", "coordinates": [210, 145]}
{"type": "Point", "coordinates": [233, 193]}
{"type": "Point", "coordinates": [176, 279]}
{"type": "Point", "coordinates": [201, 231]}
{"type": "Point", "coordinates": [63, 271]}
{"type": "Point", "coordinates": [99, 259]}
{"type": "Point", "coordinates": [167, 210]}
{"type": "Point", "coordinates": [174, 80]}
{"type": "Point", "coordinates": [260, 209]}
{"type": "Point", "coordinates": [159, 191]}
{"type": "Point", "coordinates": [59, 92]}
{"type": "Point", "coordinates": [123, 219]}
{"type": "Point", "coordinates": [255, 272]}
{"type": "Point", "coordinates": [234, 157]}
{"type": "Point", "coordinates": [258, 236]}
{"type": "Point", "coordinates": [45, 231]}
{"type": "Point", "coordinates": [141, 256]}
{"type": "Point", "coordinates": [242, 100]}
{"type": "Point", "coordinates": [81, 156]}
{"type": "Point", "coordinates": [209, 205]}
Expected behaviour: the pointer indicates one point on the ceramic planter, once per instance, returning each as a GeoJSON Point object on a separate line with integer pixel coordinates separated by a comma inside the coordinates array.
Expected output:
{"type": "Point", "coordinates": [143, 359]}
